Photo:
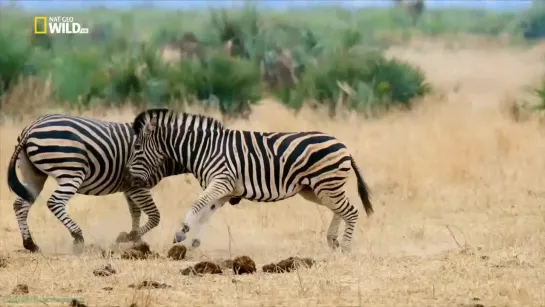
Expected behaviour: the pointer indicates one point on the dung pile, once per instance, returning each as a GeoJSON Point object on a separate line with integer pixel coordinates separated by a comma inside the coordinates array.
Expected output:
{"type": "Point", "coordinates": [201, 268]}
{"type": "Point", "coordinates": [106, 270]}
{"type": "Point", "coordinates": [150, 284]}
{"type": "Point", "coordinates": [288, 265]}
{"type": "Point", "coordinates": [75, 303]}
{"type": "Point", "coordinates": [139, 250]}
{"type": "Point", "coordinates": [20, 289]}
{"type": "Point", "coordinates": [243, 265]}
{"type": "Point", "coordinates": [177, 252]}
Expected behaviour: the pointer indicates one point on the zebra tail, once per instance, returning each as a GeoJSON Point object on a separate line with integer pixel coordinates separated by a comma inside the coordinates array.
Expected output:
{"type": "Point", "coordinates": [13, 182]}
{"type": "Point", "coordinates": [363, 189]}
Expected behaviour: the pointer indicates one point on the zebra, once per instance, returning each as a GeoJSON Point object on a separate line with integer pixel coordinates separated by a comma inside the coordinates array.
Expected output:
{"type": "Point", "coordinates": [85, 156]}
{"type": "Point", "coordinates": [258, 166]}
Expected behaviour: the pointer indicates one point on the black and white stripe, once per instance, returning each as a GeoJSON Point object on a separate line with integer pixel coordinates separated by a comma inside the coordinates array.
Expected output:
{"type": "Point", "coordinates": [85, 156]}
{"type": "Point", "coordinates": [258, 166]}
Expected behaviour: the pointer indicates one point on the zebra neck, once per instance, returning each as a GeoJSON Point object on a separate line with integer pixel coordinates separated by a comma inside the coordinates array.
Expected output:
{"type": "Point", "coordinates": [202, 152]}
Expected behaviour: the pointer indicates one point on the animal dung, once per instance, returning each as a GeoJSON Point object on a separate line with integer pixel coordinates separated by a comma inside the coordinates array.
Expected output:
{"type": "Point", "coordinates": [105, 270]}
{"type": "Point", "coordinates": [133, 254]}
{"type": "Point", "coordinates": [20, 289]}
{"type": "Point", "coordinates": [203, 267]}
{"type": "Point", "coordinates": [288, 265]}
{"type": "Point", "coordinates": [150, 284]}
{"type": "Point", "coordinates": [177, 252]}
{"type": "Point", "coordinates": [139, 250]}
{"type": "Point", "coordinates": [244, 265]}
{"type": "Point", "coordinates": [75, 303]}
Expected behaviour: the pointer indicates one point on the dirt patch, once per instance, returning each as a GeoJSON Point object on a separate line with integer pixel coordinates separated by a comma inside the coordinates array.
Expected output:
{"type": "Point", "coordinates": [177, 252]}
{"type": "Point", "coordinates": [75, 303]}
{"type": "Point", "coordinates": [288, 265]}
{"type": "Point", "coordinates": [150, 284]}
{"type": "Point", "coordinates": [20, 289]}
{"type": "Point", "coordinates": [201, 268]}
{"type": "Point", "coordinates": [3, 262]}
{"type": "Point", "coordinates": [108, 288]}
{"type": "Point", "coordinates": [106, 270]}
{"type": "Point", "coordinates": [244, 265]}
{"type": "Point", "coordinates": [139, 250]}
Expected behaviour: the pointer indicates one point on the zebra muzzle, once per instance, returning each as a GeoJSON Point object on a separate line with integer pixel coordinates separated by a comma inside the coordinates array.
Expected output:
{"type": "Point", "coordinates": [133, 181]}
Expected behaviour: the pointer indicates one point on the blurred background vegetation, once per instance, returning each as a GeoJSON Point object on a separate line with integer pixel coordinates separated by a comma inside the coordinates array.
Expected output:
{"type": "Point", "coordinates": [230, 59]}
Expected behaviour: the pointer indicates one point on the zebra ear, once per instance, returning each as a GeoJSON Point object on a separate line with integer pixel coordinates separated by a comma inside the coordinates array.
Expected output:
{"type": "Point", "coordinates": [152, 125]}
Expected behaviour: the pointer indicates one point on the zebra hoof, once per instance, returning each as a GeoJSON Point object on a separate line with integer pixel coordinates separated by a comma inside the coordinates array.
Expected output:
{"type": "Point", "coordinates": [179, 237]}
{"type": "Point", "coordinates": [30, 246]}
{"type": "Point", "coordinates": [345, 249]}
{"type": "Point", "coordinates": [196, 243]}
{"type": "Point", "coordinates": [134, 236]}
{"type": "Point", "coordinates": [333, 243]}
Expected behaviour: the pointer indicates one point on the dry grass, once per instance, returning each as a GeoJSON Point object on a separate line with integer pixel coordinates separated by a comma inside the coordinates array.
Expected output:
{"type": "Point", "coordinates": [456, 161]}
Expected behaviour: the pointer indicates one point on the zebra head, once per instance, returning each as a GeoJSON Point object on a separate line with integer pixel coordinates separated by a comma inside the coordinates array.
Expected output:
{"type": "Point", "coordinates": [148, 150]}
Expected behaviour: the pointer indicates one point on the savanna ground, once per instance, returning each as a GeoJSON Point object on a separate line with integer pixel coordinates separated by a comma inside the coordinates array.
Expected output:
{"type": "Point", "coordinates": [457, 185]}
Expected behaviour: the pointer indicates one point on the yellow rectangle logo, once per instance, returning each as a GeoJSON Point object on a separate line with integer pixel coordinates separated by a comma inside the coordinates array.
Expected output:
{"type": "Point", "coordinates": [41, 18]}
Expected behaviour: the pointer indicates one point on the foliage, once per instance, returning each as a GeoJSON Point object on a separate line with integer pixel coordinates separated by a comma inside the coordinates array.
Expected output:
{"type": "Point", "coordinates": [367, 78]}
{"type": "Point", "coordinates": [328, 55]}
{"type": "Point", "coordinates": [540, 93]}
{"type": "Point", "coordinates": [533, 22]}
{"type": "Point", "coordinates": [13, 58]}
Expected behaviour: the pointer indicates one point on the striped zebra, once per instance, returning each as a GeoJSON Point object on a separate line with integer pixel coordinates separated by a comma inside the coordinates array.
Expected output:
{"type": "Point", "coordinates": [258, 166]}
{"type": "Point", "coordinates": [85, 156]}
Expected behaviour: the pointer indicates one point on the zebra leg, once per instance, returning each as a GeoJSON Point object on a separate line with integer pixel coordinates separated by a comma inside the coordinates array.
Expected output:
{"type": "Point", "coordinates": [205, 215]}
{"type": "Point", "coordinates": [143, 200]}
{"type": "Point", "coordinates": [21, 208]}
{"type": "Point", "coordinates": [217, 191]}
{"type": "Point", "coordinates": [341, 207]}
{"type": "Point", "coordinates": [333, 229]}
{"type": "Point", "coordinates": [136, 213]}
{"type": "Point", "coordinates": [67, 188]}
{"type": "Point", "coordinates": [35, 181]}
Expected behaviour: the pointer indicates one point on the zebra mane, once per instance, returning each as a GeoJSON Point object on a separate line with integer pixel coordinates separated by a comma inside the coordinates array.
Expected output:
{"type": "Point", "coordinates": [198, 120]}
{"type": "Point", "coordinates": [165, 116]}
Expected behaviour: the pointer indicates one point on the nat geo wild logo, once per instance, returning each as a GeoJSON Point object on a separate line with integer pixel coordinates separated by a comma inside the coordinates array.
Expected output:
{"type": "Point", "coordinates": [58, 25]}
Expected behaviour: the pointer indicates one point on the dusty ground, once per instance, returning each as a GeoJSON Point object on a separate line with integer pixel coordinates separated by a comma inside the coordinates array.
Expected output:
{"type": "Point", "coordinates": [458, 189]}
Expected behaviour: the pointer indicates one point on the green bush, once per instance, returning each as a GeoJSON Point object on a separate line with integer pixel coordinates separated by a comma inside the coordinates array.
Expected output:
{"type": "Point", "coordinates": [334, 55]}
{"type": "Point", "coordinates": [233, 84]}
{"type": "Point", "coordinates": [533, 22]}
{"type": "Point", "coordinates": [367, 79]}
{"type": "Point", "coordinates": [14, 55]}
{"type": "Point", "coordinates": [540, 93]}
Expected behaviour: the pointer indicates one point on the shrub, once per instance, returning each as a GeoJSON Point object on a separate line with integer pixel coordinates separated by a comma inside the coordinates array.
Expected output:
{"type": "Point", "coordinates": [365, 81]}
{"type": "Point", "coordinates": [539, 91]}
{"type": "Point", "coordinates": [325, 57]}
{"type": "Point", "coordinates": [14, 55]}
{"type": "Point", "coordinates": [230, 83]}
{"type": "Point", "coordinates": [533, 22]}
{"type": "Point", "coordinates": [76, 77]}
